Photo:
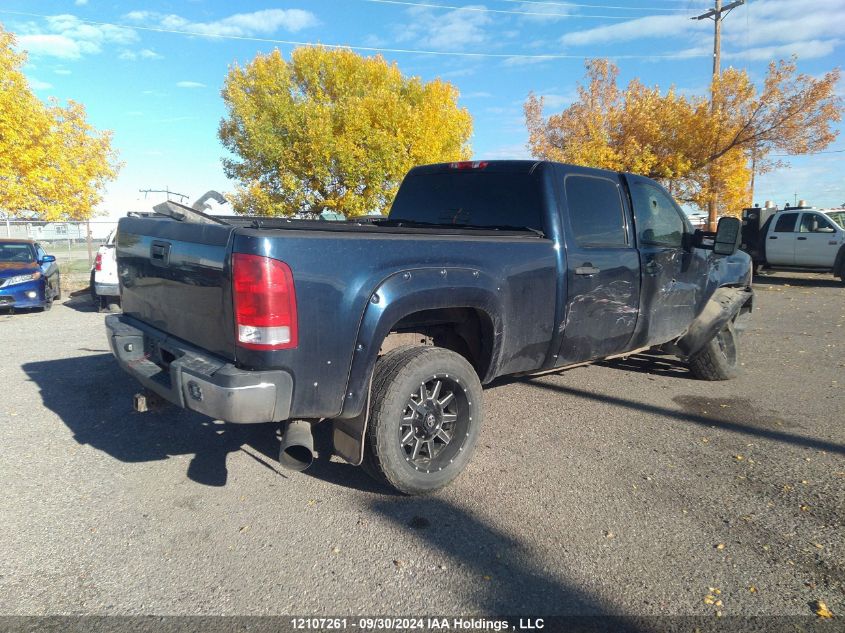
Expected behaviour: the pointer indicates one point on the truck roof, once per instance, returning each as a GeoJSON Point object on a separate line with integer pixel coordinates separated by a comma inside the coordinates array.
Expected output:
{"type": "Point", "coordinates": [509, 166]}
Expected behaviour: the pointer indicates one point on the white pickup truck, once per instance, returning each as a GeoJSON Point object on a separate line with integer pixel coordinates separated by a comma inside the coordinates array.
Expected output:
{"type": "Point", "coordinates": [105, 287]}
{"type": "Point", "coordinates": [802, 238]}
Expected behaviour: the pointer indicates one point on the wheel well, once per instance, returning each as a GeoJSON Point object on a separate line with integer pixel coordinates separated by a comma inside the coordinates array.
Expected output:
{"type": "Point", "coordinates": [465, 331]}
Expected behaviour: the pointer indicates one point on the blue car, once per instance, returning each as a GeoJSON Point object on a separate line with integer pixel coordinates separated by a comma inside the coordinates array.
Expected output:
{"type": "Point", "coordinates": [29, 278]}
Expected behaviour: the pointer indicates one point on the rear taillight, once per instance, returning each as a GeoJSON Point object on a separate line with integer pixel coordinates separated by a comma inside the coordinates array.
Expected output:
{"type": "Point", "coordinates": [98, 262]}
{"type": "Point", "coordinates": [265, 302]}
{"type": "Point", "coordinates": [469, 164]}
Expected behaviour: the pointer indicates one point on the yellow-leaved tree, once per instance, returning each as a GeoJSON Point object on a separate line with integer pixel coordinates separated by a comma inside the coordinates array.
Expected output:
{"type": "Point", "coordinates": [703, 150]}
{"type": "Point", "coordinates": [331, 129]}
{"type": "Point", "coordinates": [53, 163]}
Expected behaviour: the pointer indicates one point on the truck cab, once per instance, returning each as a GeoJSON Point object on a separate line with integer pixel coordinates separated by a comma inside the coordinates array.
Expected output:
{"type": "Point", "coordinates": [804, 238]}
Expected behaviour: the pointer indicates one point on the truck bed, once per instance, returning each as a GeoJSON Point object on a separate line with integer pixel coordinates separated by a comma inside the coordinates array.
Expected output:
{"type": "Point", "coordinates": [176, 277]}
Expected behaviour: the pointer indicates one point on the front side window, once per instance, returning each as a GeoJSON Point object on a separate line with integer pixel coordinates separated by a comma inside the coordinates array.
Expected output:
{"type": "Point", "coordinates": [814, 223]}
{"type": "Point", "coordinates": [595, 211]}
{"type": "Point", "coordinates": [786, 223]}
{"type": "Point", "coordinates": [658, 220]}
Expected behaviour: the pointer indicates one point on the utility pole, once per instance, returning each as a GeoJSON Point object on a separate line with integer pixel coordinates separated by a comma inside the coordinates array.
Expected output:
{"type": "Point", "coordinates": [717, 14]}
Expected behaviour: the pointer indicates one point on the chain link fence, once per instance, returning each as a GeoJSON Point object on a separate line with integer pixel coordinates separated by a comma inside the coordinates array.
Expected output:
{"type": "Point", "coordinates": [74, 244]}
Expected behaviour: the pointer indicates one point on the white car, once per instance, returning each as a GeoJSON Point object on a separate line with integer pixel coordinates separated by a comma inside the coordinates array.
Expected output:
{"type": "Point", "coordinates": [105, 288]}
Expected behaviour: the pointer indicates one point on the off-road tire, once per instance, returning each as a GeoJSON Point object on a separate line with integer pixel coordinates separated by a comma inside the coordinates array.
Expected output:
{"type": "Point", "coordinates": [407, 370]}
{"type": "Point", "coordinates": [719, 358]}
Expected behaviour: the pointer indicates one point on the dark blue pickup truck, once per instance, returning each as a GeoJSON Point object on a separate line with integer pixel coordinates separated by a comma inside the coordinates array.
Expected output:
{"type": "Point", "coordinates": [389, 328]}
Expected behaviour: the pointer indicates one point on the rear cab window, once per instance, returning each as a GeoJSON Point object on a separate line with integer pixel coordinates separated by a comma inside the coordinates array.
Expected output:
{"type": "Point", "coordinates": [596, 212]}
{"type": "Point", "coordinates": [786, 223]}
{"type": "Point", "coordinates": [473, 198]}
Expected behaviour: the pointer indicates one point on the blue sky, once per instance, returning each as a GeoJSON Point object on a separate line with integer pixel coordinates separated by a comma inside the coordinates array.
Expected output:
{"type": "Point", "coordinates": [152, 71]}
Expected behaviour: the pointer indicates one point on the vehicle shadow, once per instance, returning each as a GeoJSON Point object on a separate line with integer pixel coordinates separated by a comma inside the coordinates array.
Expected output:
{"type": "Point", "coordinates": [94, 399]}
{"type": "Point", "coordinates": [510, 580]}
{"type": "Point", "coordinates": [650, 364]}
{"type": "Point", "coordinates": [81, 302]}
{"type": "Point", "coordinates": [728, 421]}
{"type": "Point", "coordinates": [812, 280]}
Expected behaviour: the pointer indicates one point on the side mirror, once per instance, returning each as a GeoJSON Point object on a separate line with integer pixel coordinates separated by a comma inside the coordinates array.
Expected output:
{"type": "Point", "coordinates": [47, 259]}
{"type": "Point", "coordinates": [825, 229]}
{"type": "Point", "coordinates": [728, 235]}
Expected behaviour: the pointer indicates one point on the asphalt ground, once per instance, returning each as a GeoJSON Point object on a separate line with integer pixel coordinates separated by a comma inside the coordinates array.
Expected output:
{"type": "Point", "coordinates": [625, 488]}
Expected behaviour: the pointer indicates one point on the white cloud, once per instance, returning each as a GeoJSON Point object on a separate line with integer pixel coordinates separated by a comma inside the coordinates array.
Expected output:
{"type": "Point", "coordinates": [804, 50]}
{"type": "Point", "coordinates": [452, 31]}
{"type": "Point", "coordinates": [144, 53]}
{"type": "Point", "coordinates": [544, 13]}
{"type": "Point", "coordinates": [756, 31]}
{"type": "Point", "coordinates": [80, 3]}
{"type": "Point", "coordinates": [190, 84]}
{"type": "Point", "coordinates": [514, 151]}
{"type": "Point", "coordinates": [67, 37]}
{"type": "Point", "coordinates": [527, 61]}
{"type": "Point", "coordinates": [62, 71]}
{"type": "Point", "coordinates": [651, 27]}
{"type": "Point", "coordinates": [771, 21]}
{"type": "Point", "coordinates": [558, 101]}
{"type": "Point", "coordinates": [37, 84]}
{"type": "Point", "coordinates": [263, 22]}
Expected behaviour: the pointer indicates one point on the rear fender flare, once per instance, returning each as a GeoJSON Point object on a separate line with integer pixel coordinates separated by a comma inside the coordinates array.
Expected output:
{"type": "Point", "coordinates": [725, 304]}
{"type": "Point", "coordinates": [398, 296]}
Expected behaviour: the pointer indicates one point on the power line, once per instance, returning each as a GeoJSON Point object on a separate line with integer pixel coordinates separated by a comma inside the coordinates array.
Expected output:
{"type": "Point", "coordinates": [592, 6]}
{"type": "Point", "coordinates": [486, 10]}
{"type": "Point", "coordinates": [370, 49]}
{"type": "Point", "coordinates": [831, 151]}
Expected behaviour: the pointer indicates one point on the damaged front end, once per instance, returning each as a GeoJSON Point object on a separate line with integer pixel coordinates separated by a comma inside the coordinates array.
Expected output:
{"type": "Point", "coordinates": [728, 304]}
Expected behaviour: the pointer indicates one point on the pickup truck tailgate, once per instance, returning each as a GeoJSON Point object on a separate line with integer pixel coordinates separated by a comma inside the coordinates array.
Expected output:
{"type": "Point", "coordinates": [174, 276]}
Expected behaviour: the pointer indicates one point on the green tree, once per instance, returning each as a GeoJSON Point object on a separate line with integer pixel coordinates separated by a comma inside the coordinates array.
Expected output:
{"type": "Point", "coordinates": [331, 129]}
{"type": "Point", "coordinates": [53, 163]}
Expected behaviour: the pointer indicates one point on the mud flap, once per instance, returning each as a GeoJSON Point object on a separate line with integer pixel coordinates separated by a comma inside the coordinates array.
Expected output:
{"type": "Point", "coordinates": [722, 307]}
{"type": "Point", "coordinates": [348, 434]}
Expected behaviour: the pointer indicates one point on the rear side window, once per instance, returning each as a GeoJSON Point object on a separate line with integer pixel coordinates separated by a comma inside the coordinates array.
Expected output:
{"type": "Point", "coordinates": [469, 197]}
{"type": "Point", "coordinates": [786, 223]}
{"type": "Point", "coordinates": [595, 211]}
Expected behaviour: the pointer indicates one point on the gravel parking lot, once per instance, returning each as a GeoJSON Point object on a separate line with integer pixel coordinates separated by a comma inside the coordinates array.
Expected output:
{"type": "Point", "coordinates": [625, 488]}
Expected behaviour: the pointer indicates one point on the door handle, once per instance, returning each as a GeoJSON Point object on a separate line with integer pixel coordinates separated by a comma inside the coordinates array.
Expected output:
{"type": "Point", "coordinates": [773, 237]}
{"type": "Point", "coordinates": [802, 238]}
{"type": "Point", "coordinates": [587, 269]}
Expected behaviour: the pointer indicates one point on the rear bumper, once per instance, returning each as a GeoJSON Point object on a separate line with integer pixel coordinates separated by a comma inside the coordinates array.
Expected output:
{"type": "Point", "coordinates": [193, 379]}
{"type": "Point", "coordinates": [107, 290]}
